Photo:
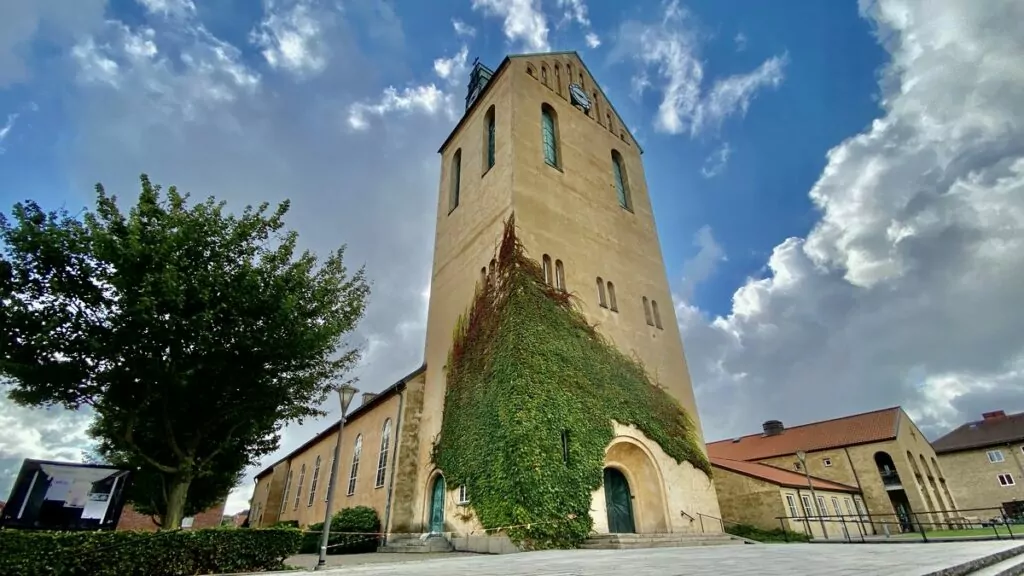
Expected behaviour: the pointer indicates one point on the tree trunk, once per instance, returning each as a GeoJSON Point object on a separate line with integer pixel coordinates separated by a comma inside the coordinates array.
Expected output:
{"type": "Point", "coordinates": [177, 491]}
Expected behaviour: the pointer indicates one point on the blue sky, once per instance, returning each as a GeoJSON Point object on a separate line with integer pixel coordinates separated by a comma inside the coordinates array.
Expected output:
{"type": "Point", "coordinates": [838, 185]}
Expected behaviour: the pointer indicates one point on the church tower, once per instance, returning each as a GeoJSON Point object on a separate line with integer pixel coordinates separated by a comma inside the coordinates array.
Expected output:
{"type": "Point", "coordinates": [540, 139]}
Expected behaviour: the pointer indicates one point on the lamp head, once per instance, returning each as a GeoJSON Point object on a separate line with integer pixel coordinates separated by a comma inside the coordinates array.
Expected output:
{"type": "Point", "coordinates": [346, 392]}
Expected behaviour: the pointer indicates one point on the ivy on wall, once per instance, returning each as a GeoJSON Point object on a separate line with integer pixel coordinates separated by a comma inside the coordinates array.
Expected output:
{"type": "Point", "coordinates": [525, 372]}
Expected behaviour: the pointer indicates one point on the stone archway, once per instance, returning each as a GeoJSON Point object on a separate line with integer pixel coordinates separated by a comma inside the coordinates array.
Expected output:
{"type": "Point", "coordinates": [644, 486]}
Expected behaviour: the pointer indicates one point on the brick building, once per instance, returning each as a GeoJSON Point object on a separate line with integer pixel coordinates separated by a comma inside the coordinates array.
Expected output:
{"type": "Point", "coordinates": [132, 520]}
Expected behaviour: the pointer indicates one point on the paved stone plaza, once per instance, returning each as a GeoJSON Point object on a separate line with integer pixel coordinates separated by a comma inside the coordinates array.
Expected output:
{"type": "Point", "coordinates": [765, 560]}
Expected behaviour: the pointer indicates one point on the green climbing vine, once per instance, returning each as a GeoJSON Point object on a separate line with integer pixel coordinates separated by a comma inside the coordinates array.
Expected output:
{"type": "Point", "coordinates": [525, 372]}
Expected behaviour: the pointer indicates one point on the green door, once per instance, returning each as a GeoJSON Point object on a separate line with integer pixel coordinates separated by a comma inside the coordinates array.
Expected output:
{"type": "Point", "coordinates": [619, 502]}
{"type": "Point", "coordinates": [437, 506]}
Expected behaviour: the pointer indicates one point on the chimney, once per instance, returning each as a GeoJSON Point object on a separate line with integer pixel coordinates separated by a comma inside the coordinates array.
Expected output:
{"type": "Point", "coordinates": [994, 415]}
{"type": "Point", "coordinates": [367, 396]}
{"type": "Point", "coordinates": [773, 427]}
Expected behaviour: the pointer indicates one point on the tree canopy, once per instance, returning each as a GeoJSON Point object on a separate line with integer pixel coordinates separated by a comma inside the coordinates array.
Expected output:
{"type": "Point", "coordinates": [193, 335]}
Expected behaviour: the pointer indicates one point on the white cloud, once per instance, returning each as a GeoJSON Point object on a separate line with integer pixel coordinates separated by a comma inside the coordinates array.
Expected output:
{"type": "Point", "coordinates": [576, 11]}
{"type": "Point", "coordinates": [907, 290]}
{"type": "Point", "coordinates": [175, 8]}
{"type": "Point", "coordinates": [524, 21]}
{"type": "Point", "coordinates": [427, 99]}
{"type": "Point", "coordinates": [453, 69]}
{"type": "Point", "coordinates": [11, 119]}
{"type": "Point", "coordinates": [290, 36]}
{"type": "Point", "coordinates": [715, 163]}
{"type": "Point", "coordinates": [741, 41]}
{"type": "Point", "coordinates": [593, 41]}
{"type": "Point", "coordinates": [463, 29]}
{"type": "Point", "coordinates": [671, 47]}
{"type": "Point", "coordinates": [703, 264]}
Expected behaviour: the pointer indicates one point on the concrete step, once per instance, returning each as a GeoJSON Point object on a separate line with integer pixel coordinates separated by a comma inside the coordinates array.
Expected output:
{"type": "Point", "coordinates": [635, 541]}
{"type": "Point", "coordinates": [431, 544]}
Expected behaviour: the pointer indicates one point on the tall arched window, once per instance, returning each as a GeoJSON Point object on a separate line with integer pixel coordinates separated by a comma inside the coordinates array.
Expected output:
{"type": "Point", "coordinates": [298, 489]}
{"type": "Point", "coordinates": [621, 181]}
{"type": "Point", "coordinates": [382, 459]}
{"type": "Point", "coordinates": [647, 311]}
{"type": "Point", "coordinates": [287, 491]}
{"type": "Point", "coordinates": [544, 74]}
{"type": "Point", "coordinates": [483, 275]}
{"type": "Point", "coordinates": [600, 293]}
{"type": "Point", "coordinates": [608, 122]}
{"type": "Point", "coordinates": [490, 270]}
{"type": "Point", "coordinates": [594, 106]}
{"type": "Point", "coordinates": [330, 478]}
{"type": "Point", "coordinates": [613, 305]}
{"type": "Point", "coordinates": [657, 315]}
{"type": "Point", "coordinates": [548, 276]}
{"type": "Point", "coordinates": [559, 275]}
{"type": "Point", "coordinates": [558, 79]}
{"type": "Point", "coordinates": [313, 483]}
{"type": "Point", "coordinates": [489, 139]}
{"type": "Point", "coordinates": [456, 176]}
{"type": "Point", "coordinates": [549, 132]}
{"type": "Point", "coordinates": [355, 465]}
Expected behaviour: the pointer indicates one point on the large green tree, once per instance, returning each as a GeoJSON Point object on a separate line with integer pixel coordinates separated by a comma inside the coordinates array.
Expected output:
{"type": "Point", "coordinates": [193, 335]}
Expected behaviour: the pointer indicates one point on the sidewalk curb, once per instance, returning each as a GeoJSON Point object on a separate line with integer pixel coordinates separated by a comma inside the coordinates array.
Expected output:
{"type": "Point", "coordinates": [978, 563]}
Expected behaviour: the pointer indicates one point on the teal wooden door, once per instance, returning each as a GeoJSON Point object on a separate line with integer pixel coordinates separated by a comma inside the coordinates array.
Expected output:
{"type": "Point", "coordinates": [619, 502]}
{"type": "Point", "coordinates": [437, 506]}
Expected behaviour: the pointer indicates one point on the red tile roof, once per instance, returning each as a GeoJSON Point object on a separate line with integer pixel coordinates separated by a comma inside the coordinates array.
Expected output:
{"type": "Point", "coordinates": [863, 428]}
{"type": "Point", "coordinates": [996, 429]}
{"type": "Point", "coordinates": [780, 476]}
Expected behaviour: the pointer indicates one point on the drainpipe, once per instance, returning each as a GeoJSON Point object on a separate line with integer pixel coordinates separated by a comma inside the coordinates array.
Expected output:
{"type": "Point", "coordinates": [394, 459]}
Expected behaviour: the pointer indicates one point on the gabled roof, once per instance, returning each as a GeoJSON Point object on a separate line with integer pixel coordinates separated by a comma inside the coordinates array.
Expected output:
{"type": "Point", "coordinates": [333, 428]}
{"type": "Point", "coordinates": [995, 430]}
{"type": "Point", "coordinates": [501, 68]}
{"type": "Point", "coordinates": [780, 476]}
{"type": "Point", "coordinates": [876, 426]}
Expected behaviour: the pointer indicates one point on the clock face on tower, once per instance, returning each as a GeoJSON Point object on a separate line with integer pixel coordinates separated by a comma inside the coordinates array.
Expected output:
{"type": "Point", "coordinates": [579, 97]}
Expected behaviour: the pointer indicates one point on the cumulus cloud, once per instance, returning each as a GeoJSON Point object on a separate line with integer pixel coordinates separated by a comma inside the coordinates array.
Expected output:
{"type": "Point", "coordinates": [453, 69]}
{"type": "Point", "coordinates": [715, 163]}
{"type": "Point", "coordinates": [427, 99]}
{"type": "Point", "coordinates": [671, 48]}
{"type": "Point", "coordinates": [576, 11]}
{"type": "Point", "coordinates": [175, 8]}
{"type": "Point", "coordinates": [291, 36]}
{"type": "Point", "coordinates": [463, 29]}
{"type": "Point", "coordinates": [907, 290]}
{"type": "Point", "coordinates": [523, 21]}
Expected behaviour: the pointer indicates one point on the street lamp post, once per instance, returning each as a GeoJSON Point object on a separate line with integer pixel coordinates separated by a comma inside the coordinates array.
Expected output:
{"type": "Point", "coordinates": [345, 394]}
{"type": "Point", "coordinates": [802, 457]}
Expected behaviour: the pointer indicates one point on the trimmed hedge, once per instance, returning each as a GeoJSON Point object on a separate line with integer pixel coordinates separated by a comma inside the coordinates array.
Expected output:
{"type": "Point", "coordinates": [170, 553]}
{"type": "Point", "coordinates": [362, 525]}
{"type": "Point", "coordinates": [775, 535]}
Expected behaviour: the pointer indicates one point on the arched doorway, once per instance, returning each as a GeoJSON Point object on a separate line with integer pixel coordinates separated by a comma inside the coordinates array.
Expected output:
{"type": "Point", "coordinates": [437, 506]}
{"type": "Point", "coordinates": [619, 502]}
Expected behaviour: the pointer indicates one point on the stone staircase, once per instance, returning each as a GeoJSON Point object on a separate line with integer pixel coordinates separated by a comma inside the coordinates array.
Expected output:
{"type": "Point", "coordinates": [632, 541]}
{"type": "Point", "coordinates": [416, 544]}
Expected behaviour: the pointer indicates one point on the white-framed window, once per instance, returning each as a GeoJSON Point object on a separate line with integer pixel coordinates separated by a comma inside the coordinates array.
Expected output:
{"type": "Point", "coordinates": [463, 495]}
{"type": "Point", "coordinates": [382, 458]}
{"type": "Point", "coordinates": [995, 456]}
{"type": "Point", "coordinates": [808, 509]}
{"type": "Point", "coordinates": [1006, 480]}
{"type": "Point", "coordinates": [330, 477]}
{"type": "Point", "coordinates": [849, 506]}
{"type": "Point", "coordinates": [287, 490]}
{"type": "Point", "coordinates": [835, 506]}
{"type": "Point", "coordinates": [355, 465]}
{"type": "Point", "coordinates": [822, 509]}
{"type": "Point", "coordinates": [298, 489]}
{"type": "Point", "coordinates": [827, 462]}
{"type": "Point", "coordinates": [791, 504]}
{"type": "Point", "coordinates": [312, 485]}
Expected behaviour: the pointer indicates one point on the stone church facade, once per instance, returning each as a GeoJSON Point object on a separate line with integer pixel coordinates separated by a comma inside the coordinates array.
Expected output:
{"type": "Point", "coordinates": [538, 139]}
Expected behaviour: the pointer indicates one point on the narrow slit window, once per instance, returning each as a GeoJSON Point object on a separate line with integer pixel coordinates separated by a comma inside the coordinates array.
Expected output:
{"type": "Point", "coordinates": [549, 133]}
{"type": "Point", "coordinates": [657, 315]}
{"type": "Point", "coordinates": [491, 269]}
{"type": "Point", "coordinates": [544, 74]}
{"type": "Point", "coordinates": [558, 79]}
{"type": "Point", "coordinates": [489, 135]}
{"type": "Point", "coordinates": [455, 175]}
{"type": "Point", "coordinates": [547, 269]}
{"type": "Point", "coordinates": [600, 293]}
{"type": "Point", "coordinates": [647, 312]}
{"type": "Point", "coordinates": [613, 305]}
{"type": "Point", "coordinates": [559, 275]}
{"type": "Point", "coordinates": [483, 275]}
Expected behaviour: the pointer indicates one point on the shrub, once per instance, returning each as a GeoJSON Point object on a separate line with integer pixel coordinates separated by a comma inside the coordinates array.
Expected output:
{"type": "Point", "coordinates": [768, 536]}
{"type": "Point", "coordinates": [353, 531]}
{"type": "Point", "coordinates": [170, 553]}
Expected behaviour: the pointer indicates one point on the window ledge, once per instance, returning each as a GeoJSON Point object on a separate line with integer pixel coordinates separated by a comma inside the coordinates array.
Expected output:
{"type": "Point", "coordinates": [555, 166]}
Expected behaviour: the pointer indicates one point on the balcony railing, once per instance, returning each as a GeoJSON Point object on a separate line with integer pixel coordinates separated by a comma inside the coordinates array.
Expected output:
{"type": "Point", "coordinates": [890, 478]}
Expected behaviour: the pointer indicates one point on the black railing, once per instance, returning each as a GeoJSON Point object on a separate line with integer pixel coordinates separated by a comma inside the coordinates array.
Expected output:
{"type": "Point", "coordinates": [890, 478]}
{"type": "Point", "coordinates": [938, 525]}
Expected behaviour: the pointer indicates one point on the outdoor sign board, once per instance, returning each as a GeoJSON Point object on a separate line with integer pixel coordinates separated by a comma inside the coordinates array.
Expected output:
{"type": "Point", "coordinates": [65, 496]}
